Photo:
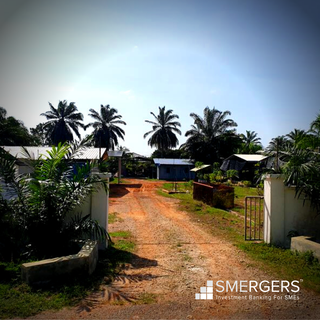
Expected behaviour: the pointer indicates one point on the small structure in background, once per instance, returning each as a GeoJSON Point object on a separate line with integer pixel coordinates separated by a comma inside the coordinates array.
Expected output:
{"type": "Point", "coordinates": [200, 171]}
{"type": "Point", "coordinates": [116, 154]}
{"type": "Point", "coordinates": [174, 169]}
{"type": "Point", "coordinates": [245, 164]}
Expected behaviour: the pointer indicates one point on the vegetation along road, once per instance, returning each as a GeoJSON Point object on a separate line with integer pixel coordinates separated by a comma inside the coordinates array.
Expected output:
{"type": "Point", "coordinates": [175, 255]}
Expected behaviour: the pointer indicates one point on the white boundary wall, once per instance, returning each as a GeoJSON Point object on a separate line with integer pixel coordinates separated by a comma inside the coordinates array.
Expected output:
{"type": "Point", "coordinates": [97, 205]}
{"type": "Point", "coordinates": [283, 212]}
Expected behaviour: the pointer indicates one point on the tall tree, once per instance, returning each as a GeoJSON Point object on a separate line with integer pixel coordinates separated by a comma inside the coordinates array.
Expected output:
{"type": "Point", "coordinates": [276, 148]}
{"type": "Point", "coordinates": [40, 135]}
{"type": "Point", "coordinates": [164, 130]}
{"type": "Point", "coordinates": [211, 137]}
{"type": "Point", "coordinates": [250, 142]}
{"type": "Point", "coordinates": [13, 132]}
{"type": "Point", "coordinates": [105, 127]}
{"type": "Point", "coordinates": [62, 121]}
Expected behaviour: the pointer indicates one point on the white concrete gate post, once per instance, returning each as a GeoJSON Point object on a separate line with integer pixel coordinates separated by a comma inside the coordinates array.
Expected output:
{"type": "Point", "coordinates": [274, 210]}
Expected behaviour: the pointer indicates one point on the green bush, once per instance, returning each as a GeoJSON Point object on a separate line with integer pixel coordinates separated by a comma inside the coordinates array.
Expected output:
{"type": "Point", "coordinates": [246, 183]}
{"type": "Point", "coordinates": [33, 221]}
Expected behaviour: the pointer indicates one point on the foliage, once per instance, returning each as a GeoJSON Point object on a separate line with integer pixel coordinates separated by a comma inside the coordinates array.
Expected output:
{"type": "Point", "coordinates": [231, 174]}
{"type": "Point", "coordinates": [105, 127]}
{"type": "Point", "coordinates": [297, 156]}
{"type": "Point", "coordinates": [40, 135]}
{"type": "Point", "coordinates": [246, 183]}
{"type": "Point", "coordinates": [250, 143]}
{"type": "Point", "coordinates": [169, 154]}
{"type": "Point", "coordinates": [211, 137]}
{"type": "Point", "coordinates": [39, 203]}
{"type": "Point", "coordinates": [275, 148]}
{"type": "Point", "coordinates": [62, 121]}
{"type": "Point", "coordinates": [164, 130]}
{"type": "Point", "coordinates": [13, 132]}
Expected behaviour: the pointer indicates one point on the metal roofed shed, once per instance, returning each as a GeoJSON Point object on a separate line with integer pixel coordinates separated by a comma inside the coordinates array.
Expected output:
{"type": "Point", "coordinates": [174, 169]}
{"type": "Point", "coordinates": [244, 164]}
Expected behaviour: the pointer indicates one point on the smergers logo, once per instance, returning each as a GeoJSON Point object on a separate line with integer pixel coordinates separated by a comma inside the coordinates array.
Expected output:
{"type": "Point", "coordinates": [249, 286]}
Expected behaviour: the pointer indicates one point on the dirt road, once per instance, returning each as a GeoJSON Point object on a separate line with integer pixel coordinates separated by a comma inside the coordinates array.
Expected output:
{"type": "Point", "coordinates": [174, 257]}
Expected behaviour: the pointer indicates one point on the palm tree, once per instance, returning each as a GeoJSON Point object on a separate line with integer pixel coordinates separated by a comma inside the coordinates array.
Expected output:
{"type": "Point", "coordinates": [164, 129]}
{"type": "Point", "coordinates": [62, 121]}
{"type": "Point", "coordinates": [250, 142]}
{"type": "Point", "coordinates": [276, 148]}
{"type": "Point", "coordinates": [211, 136]}
{"type": "Point", "coordinates": [106, 130]}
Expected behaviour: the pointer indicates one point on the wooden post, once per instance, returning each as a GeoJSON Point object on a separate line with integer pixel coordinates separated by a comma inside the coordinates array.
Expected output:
{"type": "Point", "coordinates": [119, 170]}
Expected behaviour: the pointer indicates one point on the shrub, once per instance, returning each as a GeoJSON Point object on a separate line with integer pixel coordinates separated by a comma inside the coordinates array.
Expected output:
{"type": "Point", "coordinates": [36, 212]}
{"type": "Point", "coordinates": [246, 183]}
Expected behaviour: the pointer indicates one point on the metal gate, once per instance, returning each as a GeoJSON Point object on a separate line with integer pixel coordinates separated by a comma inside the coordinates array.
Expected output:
{"type": "Point", "coordinates": [253, 218]}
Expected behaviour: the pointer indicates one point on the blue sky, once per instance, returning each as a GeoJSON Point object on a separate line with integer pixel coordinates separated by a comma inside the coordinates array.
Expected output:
{"type": "Point", "coordinates": [259, 59]}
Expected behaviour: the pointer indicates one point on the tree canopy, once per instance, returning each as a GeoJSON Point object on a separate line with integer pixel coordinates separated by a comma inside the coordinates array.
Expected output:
{"type": "Point", "coordinates": [105, 127]}
{"type": "Point", "coordinates": [62, 122]}
{"type": "Point", "coordinates": [164, 130]}
{"type": "Point", "coordinates": [13, 132]}
{"type": "Point", "coordinates": [212, 136]}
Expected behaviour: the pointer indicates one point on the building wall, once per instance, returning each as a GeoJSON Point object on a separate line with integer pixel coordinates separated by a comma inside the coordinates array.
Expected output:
{"type": "Point", "coordinates": [283, 212]}
{"type": "Point", "coordinates": [170, 172]}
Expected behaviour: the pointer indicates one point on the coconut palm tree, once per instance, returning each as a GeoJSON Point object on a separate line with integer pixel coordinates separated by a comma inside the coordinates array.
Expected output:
{"type": "Point", "coordinates": [250, 142]}
{"type": "Point", "coordinates": [164, 130]}
{"type": "Point", "coordinates": [276, 148]}
{"type": "Point", "coordinates": [106, 130]}
{"type": "Point", "coordinates": [62, 121]}
{"type": "Point", "coordinates": [211, 136]}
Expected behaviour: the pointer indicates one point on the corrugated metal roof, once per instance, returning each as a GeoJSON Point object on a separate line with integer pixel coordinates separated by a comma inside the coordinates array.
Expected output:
{"type": "Point", "coordinates": [200, 168]}
{"type": "Point", "coordinates": [90, 154]}
{"type": "Point", "coordinates": [35, 152]}
{"type": "Point", "coordinates": [177, 162]}
{"type": "Point", "coordinates": [117, 153]}
{"type": "Point", "coordinates": [250, 157]}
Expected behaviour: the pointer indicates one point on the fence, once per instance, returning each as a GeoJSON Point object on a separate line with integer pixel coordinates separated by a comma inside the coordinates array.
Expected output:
{"type": "Point", "coordinates": [253, 218]}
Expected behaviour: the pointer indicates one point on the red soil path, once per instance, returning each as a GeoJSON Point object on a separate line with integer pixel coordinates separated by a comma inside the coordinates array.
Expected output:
{"type": "Point", "coordinates": [174, 257]}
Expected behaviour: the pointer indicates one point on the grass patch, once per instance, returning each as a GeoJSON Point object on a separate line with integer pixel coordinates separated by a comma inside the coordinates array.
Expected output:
{"type": "Point", "coordinates": [301, 266]}
{"type": "Point", "coordinates": [178, 186]}
{"type": "Point", "coordinates": [279, 262]}
{"type": "Point", "coordinates": [113, 217]}
{"type": "Point", "coordinates": [122, 181]}
{"type": "Point", "coordinates": [121, 234]}
{"type": "Point", "coordinates": [146, 298]}
{"type": "Point", "coordinates": [20, 300]}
